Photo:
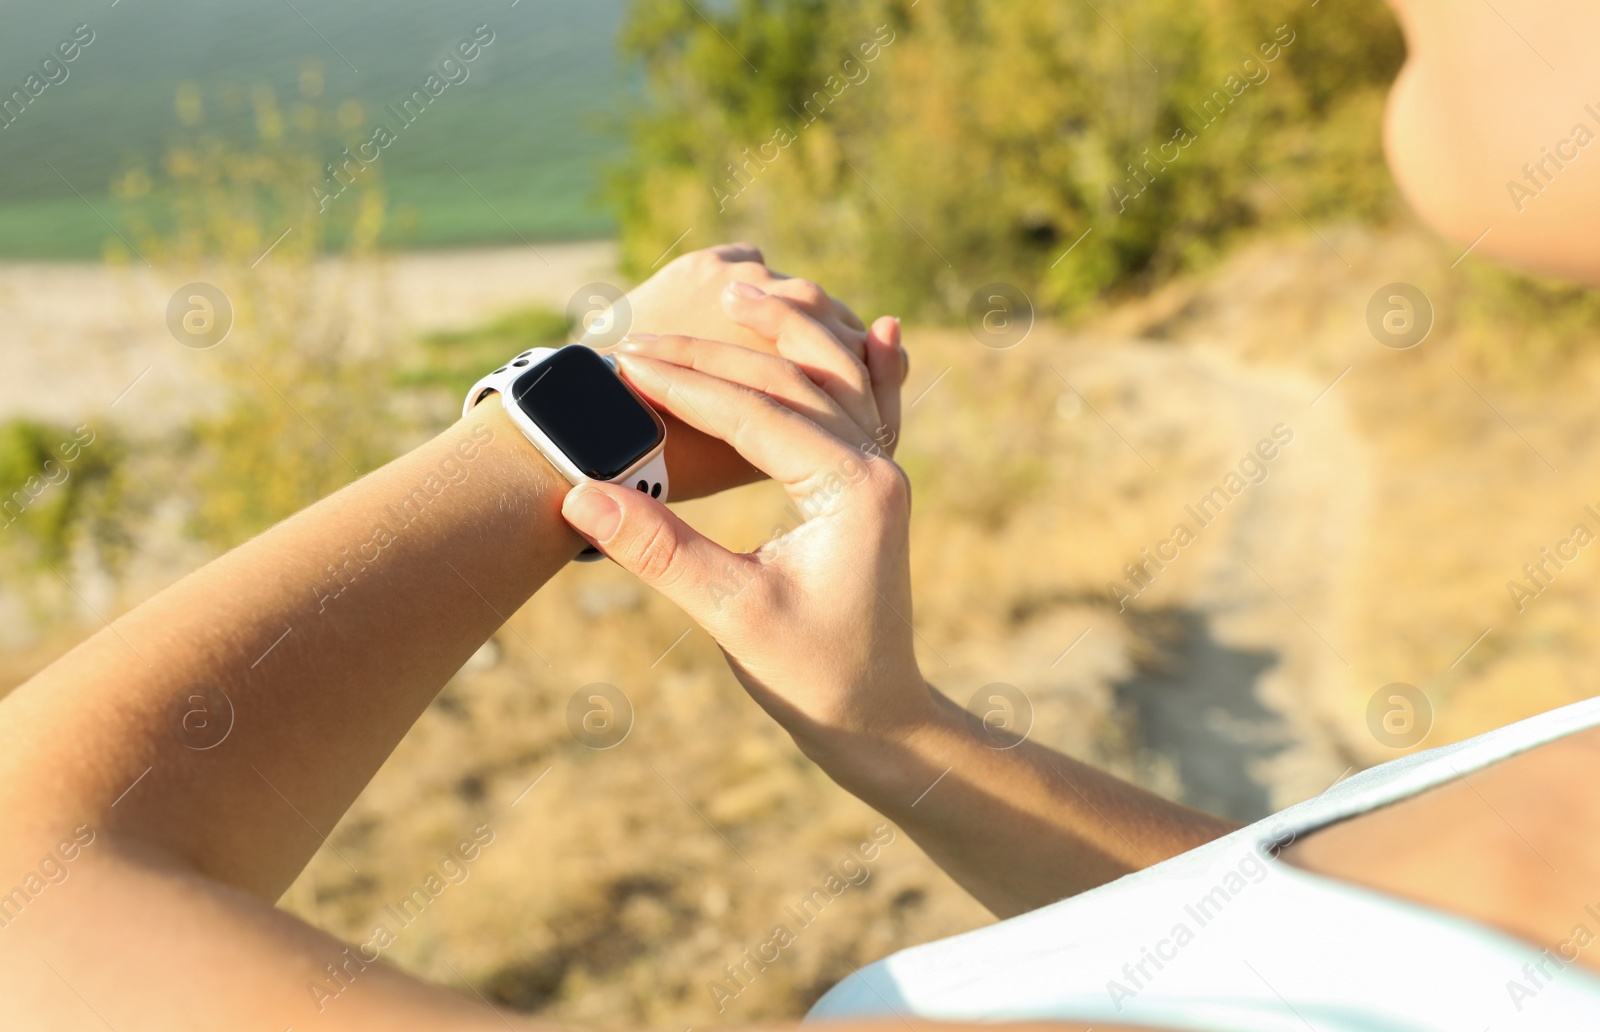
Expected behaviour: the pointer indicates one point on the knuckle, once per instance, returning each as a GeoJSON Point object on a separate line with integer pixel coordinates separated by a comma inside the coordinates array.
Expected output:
{"type": "Point", "coordinates": [806, 293]}
{"type": "Point", "coordinates": [790, 313]}
{"type": "Point", "coordinates": [674, 346]}
{"type": "Point", "coordinates": [858, 376]}
{"type": "Point", "coordinates": [789, 374]}
{"type": "Point", "coordinates": [889, 484]}
{"type": "Point", "coordinates": [754, 409]}
{"type": "Point", "coordinates": [701, 259]}
{"type": "Point", "coordinates": [655, 555]}
{"type": "Point", "coordinates": [847, 378]}
{"type": "Point", "coordinates": [739, 435]}
{"type": "Point", "coordinates": [779, 378]}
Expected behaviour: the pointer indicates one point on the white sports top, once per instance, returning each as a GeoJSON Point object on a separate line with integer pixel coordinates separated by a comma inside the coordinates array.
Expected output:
{"type": "Point", "coordinates": [1226, 938]}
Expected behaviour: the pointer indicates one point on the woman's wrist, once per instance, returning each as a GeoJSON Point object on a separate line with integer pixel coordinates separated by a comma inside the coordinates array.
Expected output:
{"type": "Point", "coordinates": [517, 472]}
{"type": "Point", "coordinates": [895, 756]}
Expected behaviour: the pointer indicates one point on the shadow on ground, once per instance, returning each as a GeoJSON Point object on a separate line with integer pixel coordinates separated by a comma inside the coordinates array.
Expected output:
{"type": "Point", "coordinates": [1195, 704]}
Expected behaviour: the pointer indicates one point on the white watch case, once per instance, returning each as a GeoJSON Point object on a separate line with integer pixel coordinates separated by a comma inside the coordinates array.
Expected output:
{"type": "Point", "coordinates": [648, 475]}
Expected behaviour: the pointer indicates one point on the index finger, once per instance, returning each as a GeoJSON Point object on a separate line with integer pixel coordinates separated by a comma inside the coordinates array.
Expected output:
{"type": "Point", "coordinates": [779, 442]}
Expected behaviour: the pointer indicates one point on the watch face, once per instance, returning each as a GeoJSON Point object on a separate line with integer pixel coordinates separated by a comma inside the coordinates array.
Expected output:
{"type": "Point", "coordinates": [586, 410]}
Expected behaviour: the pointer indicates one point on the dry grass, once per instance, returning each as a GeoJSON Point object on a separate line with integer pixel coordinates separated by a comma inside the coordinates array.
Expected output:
{"type": "Point", "coordinates": [622, 884]}
{"type": "Point", "coordinates": [618, 888]}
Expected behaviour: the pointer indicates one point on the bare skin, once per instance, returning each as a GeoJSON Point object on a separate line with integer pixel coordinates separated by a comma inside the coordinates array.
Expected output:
{"type": "Point", "coordinates": [167, 919]}
{"type": "Point", "coordinates": [1513, 845]}
{"type": "Point", "coordinates": [1510, 846]}
{"type": "Point", "coordinates": [999, 821]}
{"type": "Point", "coordinates": [675, 300]}
{"type": "Point", "coordinates": [174, 856]}
{"type": "Point", "coordinates": [1481, 97]}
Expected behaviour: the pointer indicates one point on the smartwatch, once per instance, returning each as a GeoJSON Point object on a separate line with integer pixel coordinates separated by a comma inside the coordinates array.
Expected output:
{"type": "Point", "coordinates": [583, 417]}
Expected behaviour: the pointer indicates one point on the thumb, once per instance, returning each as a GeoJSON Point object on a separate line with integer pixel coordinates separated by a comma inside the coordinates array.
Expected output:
{"type": "Point", "coordinates": [647, 539]}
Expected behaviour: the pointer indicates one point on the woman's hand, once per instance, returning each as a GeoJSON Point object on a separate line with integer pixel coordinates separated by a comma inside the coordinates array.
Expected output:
{"type": "Point", "coordinates": [816, 623]}
{"type": "Point", "coordinates": [681, 298]}
{"type": "Point", "coordinates": [802, 363]}
{"type": "Point", "coordinates": [728, 294]}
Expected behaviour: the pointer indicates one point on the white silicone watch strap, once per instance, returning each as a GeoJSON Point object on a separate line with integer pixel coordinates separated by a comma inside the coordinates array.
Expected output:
{"type": "Point", "coordinates": [650, 476]}
{"type": "Point", "coordinates": [501, 379]}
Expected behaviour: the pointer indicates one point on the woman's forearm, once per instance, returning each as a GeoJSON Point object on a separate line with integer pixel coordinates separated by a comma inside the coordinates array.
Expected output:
{"type": "Point", "coordinates": [326, 637]}
{"type": "Point", "coordinates": [818, 632]}
{"type": "Point", "coordinates": [1016, 824]}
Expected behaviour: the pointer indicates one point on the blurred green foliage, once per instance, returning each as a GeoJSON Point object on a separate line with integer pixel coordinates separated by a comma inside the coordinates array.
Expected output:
{"type": "Point", "coordinates": [455, 359]}
{"type": "Point", "coordinates": [1523, 330]}
{"type": "Point", "coordinates": [964, 142]}
{"type": "Point", "coordinates": [912, 154]}
{"type": "Point", "coordinates": [221, 197]}
{"type": "Point", "coordinates": [296, 416]}
{"type": "Point", "coordinates": [60, 486]}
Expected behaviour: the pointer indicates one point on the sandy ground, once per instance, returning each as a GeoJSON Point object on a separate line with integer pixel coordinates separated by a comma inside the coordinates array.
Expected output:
{"type": "Point", "coordinates": [80, 338]}
{"type": "Point", "coordinates": [1238, 704]}
{"type": "Point", "coordinates": [1375, 549]}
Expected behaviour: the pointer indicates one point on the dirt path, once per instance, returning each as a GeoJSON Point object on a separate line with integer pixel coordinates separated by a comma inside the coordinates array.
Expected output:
{"type": "Point", "coordinates": [1242, 709]}
{"type": "Point", "coordinates": [1248, 701]}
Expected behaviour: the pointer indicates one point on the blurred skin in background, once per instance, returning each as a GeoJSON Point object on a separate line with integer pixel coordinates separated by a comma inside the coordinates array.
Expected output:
{"type": "Point", "coordinates": [1474, 104]}
{"type": "Point", "coordinates": [1495, 125]}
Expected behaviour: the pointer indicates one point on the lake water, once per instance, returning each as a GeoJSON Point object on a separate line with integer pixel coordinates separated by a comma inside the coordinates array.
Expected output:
{"type": "Point", "coordinates": [529, 128]}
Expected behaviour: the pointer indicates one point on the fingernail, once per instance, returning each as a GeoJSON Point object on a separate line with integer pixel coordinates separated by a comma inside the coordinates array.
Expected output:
{"type": "Point", "coordinates": [739, 288]}
{"type": "Point", "coordinates": [637, 341]}
{"type": "Point", "coordinates": [592, 512]}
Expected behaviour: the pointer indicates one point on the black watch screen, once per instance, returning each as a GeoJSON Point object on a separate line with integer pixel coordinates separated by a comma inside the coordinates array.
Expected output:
{"type": "Point", "coordinates": [588, 412]}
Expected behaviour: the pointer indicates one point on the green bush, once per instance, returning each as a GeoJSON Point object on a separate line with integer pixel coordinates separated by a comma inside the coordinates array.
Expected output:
{"type": "Point", "coordinates": [969, 142]}
{"type": "Point", "coordinates": [454, 359]}
{"type": "Point", "coordinates": [59, 486]}
{"type": "Point", "coordinates": [1522, 330]}
{"type": "Point", "coordinates": [294, 417]}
